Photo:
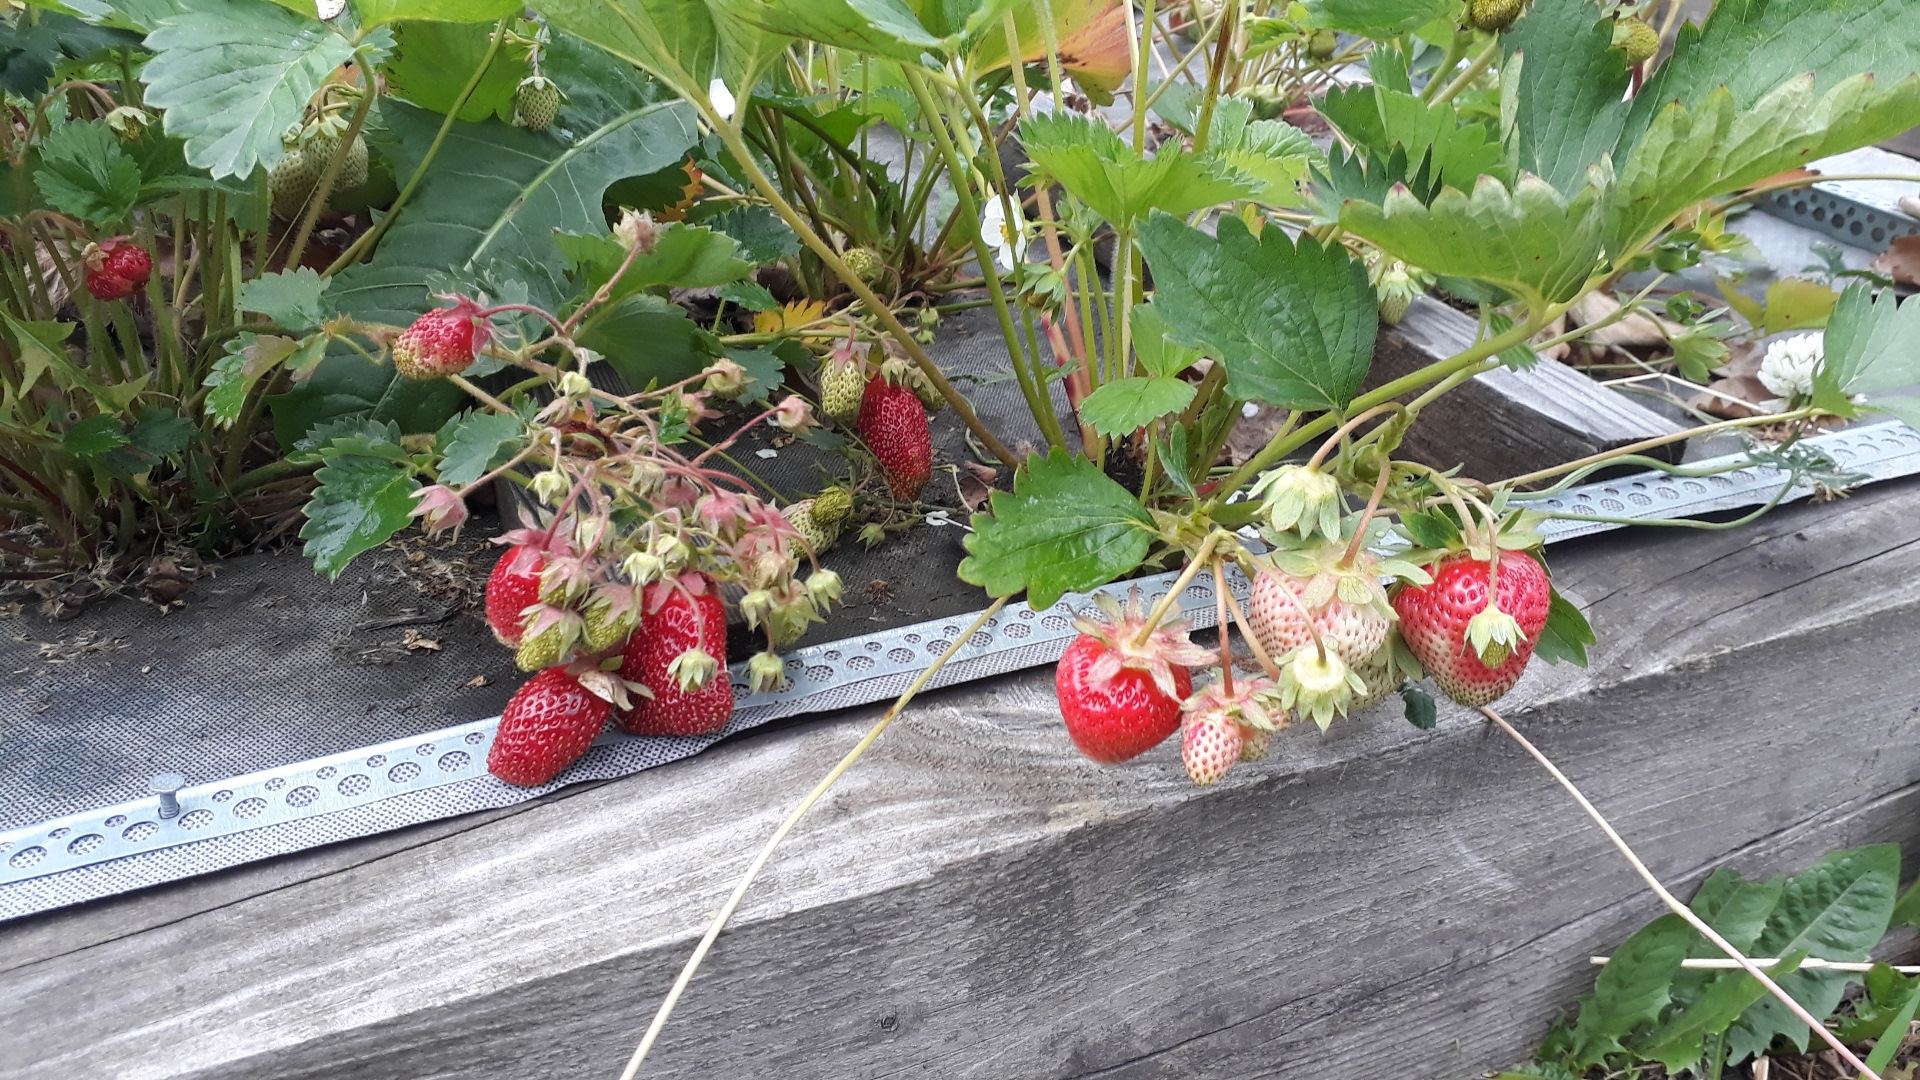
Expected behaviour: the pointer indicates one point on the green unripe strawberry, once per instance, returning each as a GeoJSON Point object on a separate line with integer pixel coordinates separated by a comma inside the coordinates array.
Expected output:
{"type": "Point", "coordinates": [608, 626]}
{"type": "Point", "coordinates": [841, 384]}
{"type": "Point", "coordinates": [833, 507]}
{"type": "Point", "coordinates": [291, 180]}
{"type": "Point", "coordinates": [1322, 44]}
{"type": "Point", "coordinates": [1395, 293]}
{"type": "Point", "coordinates": [866, 265]}
{"type": "Point", "coordinates": [536, 101]}
{"type": "Point", "coordinates": [924, 389]}
{"type": "Point", "coordinates": [541, 650]}
{"type": "Point", "coordinates": [353, 171]}
{"type": "Point", "coordinates": [1493, 16]}
{"type": "Point", "coordinates": [1635, 38]}
{"type": "Point", "coordinates": [816, 533]}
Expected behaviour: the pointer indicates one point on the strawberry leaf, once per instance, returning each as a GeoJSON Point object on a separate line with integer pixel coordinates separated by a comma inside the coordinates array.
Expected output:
{"type": "Point", "coordinates": [365, 496]}
{"type": "Point", "coordinates": [1085, 157]}
{"type": "Point", "coordinates": [1294, 324]}
{"type": "Point", "coordinates": [1872, 346]}
{"type": "Point", "coordinates": [1421, 711]}
{"type": "Point", "coordinates": [230, 80]}
{"type": "Point", "coordinates": [433, 61]}
{"type": "Point", "coordinates": [1379, 18]}
{"type": "Point", "coordinates": [290, 298]}
{"type": "Point", "coordinates": [1528, 240]}
{"type": "Point", "coordinates": [372, 12]}
{"type": "Point", "coordinates": [84, 172]}
{"type": "Point", "coordinates": [1124, 406]}
{"type": "Point", "coordinates": [474, 442]}
{"type": "Point", "coordinates": [885, 28]}
{"type": "Point", "coordinates": [1569, 89]}
{"type": "Point", "coordinates": [1432, 135]}
{"type": "Point", "coordinates": [1065, 527]}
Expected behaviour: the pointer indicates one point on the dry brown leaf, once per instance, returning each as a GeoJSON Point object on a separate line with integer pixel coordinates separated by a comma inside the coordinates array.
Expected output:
{"type": "Point", "coordinates": [1634, 331]}
{"type": "Point", "coordinates": [976, 484]}
{"type": "Point", "coordinates": [1901, 260]}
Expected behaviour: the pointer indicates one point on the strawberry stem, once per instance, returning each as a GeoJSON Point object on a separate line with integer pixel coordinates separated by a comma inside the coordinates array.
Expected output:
{"type": "Point", "coordinates": [1346, 429]}
{"type": "Point", "coordinates": [1226, 646]}
{"type": "Point", "coordinates": [1676, 906]}
{"type": "Point", "coordinates": [1233, 605]}
{"type": "Point", "coordinates": [1165, 603]}
{"type": "Point", "coordinates": [1366, 516]}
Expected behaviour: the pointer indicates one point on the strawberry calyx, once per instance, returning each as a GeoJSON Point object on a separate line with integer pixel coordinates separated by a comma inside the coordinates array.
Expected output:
{"type": "Point", "coordinates": [1252, 701]}
{"type": "Point", "coordinates": [1494, 634]}
{"type": "Point", "coordinates": [1300, 498]}
{"type": "Point", "coordinates": [1319, 684]}
{"type": "Point", "coordinates": [1127, 644]}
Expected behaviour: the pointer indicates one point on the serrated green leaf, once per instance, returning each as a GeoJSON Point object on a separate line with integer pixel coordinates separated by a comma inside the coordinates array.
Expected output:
{"type": "Point", "coordinates": [231, 80]}
{"type": "Point", "coordinates": [1275, 156]}
{"type": "Point", "coordinates": [766, 372]}
{"type": "Point", "coordinates": [649, 341]}
{"type": "Point", "coordinates": [1380, 18]}
{"type": "Point", "coordinates": [1153, 344]}
{"type": "Point", "coordinates": [876, 27]}
{"type": "Point", "coordinates": [30, 47]}
{"type": "Point", "coordinates": [433, 61]}
{"type": "Point", "coordinates": [39, 348]}
{"type": "Point", "coordinates": [94, 436]}
{"type": "Point", "coordinates": [1174, 459]}
{"type": "Point", "coordinates": [1124, 406]}
{"type": "Point", "coordinates": [1529, 241]}
{"type": "Point", "coordinates": [762, 236]}
{"type": "Point", "coordinates": [683, 256]}
{"type": "Point", "coordinates": [248, 356]}
{"type": "Point", "coordinates": [84, 172]}
{"type": "Point", "coordinates": [1452, 153]}
{"type": "Point", "coordinates": [1294, 324]}
{"type": "Point", "coordinates": [1090, 161]}
{"type": "Point", "coordinates": [290, 298]}
{"type": "Point", "coordinates": [1716, 147]}
{"type": "Point", "coordinates": [1566, 635]}
{"type": "Point", "coordinates": [750, 295]}
{"type": "Point", "coordinates": [1430, 530]}
{"type": "Point", "coordinates": [1836, 909]}
{"type": "Point", "coordinates": [662, 35]}
{"type": "Point", "coordinates": [372, 12]}
{"type": "Point", "coordinates": [161, 432]}
{"type": "Point", "coordinates": [361, 502]}
{"type": "Point", "coordinates": [475, 443]}
{"type": "Point", "coordinates": [1679, 1043]}
{"type": "Point", "coordinates": [1631, 990]}
{"type": "Point", "coordinates": [1888, 995]}
{"type": "Point", "coordinates": [1872, 346]}
{"type": "Point", "coordinates": [1751, 47]}
{"type": "Point", "coordinates": [1519, 357]}
{"type": "Point", "coordinates": [1065, 527]}
{"type": "Point", "coordinates": [1568, 98]}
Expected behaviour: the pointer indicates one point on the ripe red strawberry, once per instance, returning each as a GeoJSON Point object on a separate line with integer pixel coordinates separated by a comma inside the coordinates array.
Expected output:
{"type": "Point", "coordinates": [547, 726]}
{"type": "Point", "coordinates": [125, 260]}
{"type": "Point", "coordinates": [442, 342]}
{"type": "Point", "coordinates": [1434, 621]}
{"type": "Point", "coordinates": [1121, 699]}
{"type": "Point", "coordinates": [677, 617]}
{"type": "Point", "coordinates": [894, 425]}
{"type": "Point", "coordinates": [105, 286]}
{"type": "Point", "coordinates": [512, 588]}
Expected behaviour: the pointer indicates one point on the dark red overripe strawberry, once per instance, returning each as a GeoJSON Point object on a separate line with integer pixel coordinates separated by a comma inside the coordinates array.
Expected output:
{"type": "Point", "coordinates": [442, 342]}
{"type": "Point", "coordinates": [1435, 621]}
{"type": "Point", "coordinates": [682, 636]}
{"type": "Point", "coordinates": [512, 588]}
{"type": "Point", "coordinates": [116, 267]}
{"type": "Point", "coordinates": [546, 727]}
{"type": "Point", "coordinates": [894, 425]}
{"type": "Point", "coordinates": [1121, 696]}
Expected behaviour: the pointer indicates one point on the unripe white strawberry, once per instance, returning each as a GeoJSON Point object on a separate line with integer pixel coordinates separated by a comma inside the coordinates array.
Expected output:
{"type": "Point", "coordinates": [1210, 744]}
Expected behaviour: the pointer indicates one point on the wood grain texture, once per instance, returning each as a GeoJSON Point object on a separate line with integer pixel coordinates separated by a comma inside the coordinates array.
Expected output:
{"type": "Point", "coordinates": [1504, 422]}
{"type": "Point", "coordinates": [976, 900]}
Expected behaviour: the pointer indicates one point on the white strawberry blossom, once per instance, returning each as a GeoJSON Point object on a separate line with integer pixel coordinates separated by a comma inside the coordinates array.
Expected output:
{"type": "Point", "coordinates": [1009, 238]}
{"type": "Point", "coordinates": [1790, 364]}
{"type": "Point", "coordinates": [722, 98]}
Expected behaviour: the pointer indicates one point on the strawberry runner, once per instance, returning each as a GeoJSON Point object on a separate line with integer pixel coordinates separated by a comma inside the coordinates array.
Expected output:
{"type": "Point", "coordinates": [443, 773]}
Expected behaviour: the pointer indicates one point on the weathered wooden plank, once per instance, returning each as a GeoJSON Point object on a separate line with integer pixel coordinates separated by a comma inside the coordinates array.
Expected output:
{"type": "Point", "coordinates": [1504, 422]}
{"type": "Point", "coordinates": [977, 901]}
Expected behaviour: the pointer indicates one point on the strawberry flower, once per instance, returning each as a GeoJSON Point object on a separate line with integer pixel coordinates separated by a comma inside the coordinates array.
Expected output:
{"type": "Point", "coordinates": [793, 413]}
{"type": "Point", "coordinates": [439, 508]}
{"type": "Point", "coordinates": [1008, 237]}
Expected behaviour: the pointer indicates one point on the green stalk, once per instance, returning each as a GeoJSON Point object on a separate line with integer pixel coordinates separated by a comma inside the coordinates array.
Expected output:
{"type": "Point", "coordinates": [129, 334]}
{"type": "Point", "coordinates": [1202, 127]}
{"type": "Point", "coordinates": [968, 216]}
{"type": "Point", "coordinates": [1143, 50]}
{"type": "Point", "coordinates": [1284, 443]}
{"type": "Point", "coordinates": [1456, 47]}
{"type": "Point", "coordinates": [1480, 64]}
{"type": "Point", "coordinates": [372, 236]}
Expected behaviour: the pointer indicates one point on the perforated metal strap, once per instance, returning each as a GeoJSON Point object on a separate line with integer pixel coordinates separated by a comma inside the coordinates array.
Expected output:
{"type": "Point", "coordinates": [443, 773]}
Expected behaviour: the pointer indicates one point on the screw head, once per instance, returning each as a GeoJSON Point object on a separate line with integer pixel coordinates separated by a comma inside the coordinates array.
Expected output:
{"type": "Point", "coordinates": [167, 784]}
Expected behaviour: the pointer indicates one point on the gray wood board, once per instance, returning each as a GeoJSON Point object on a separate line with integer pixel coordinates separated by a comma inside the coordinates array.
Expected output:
{"type": "Point", "coordinates": [1504, 422]}
{"type": "Point", "coordinates": [976, 900]}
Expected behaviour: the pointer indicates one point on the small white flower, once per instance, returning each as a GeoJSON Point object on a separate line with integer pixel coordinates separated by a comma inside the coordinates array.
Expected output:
{"type": "Point", "coordinates": [722, 98]}
{"type": "Point", "coordinates": [1009, 238]}
{"type": "Point", "coordinates": [1790, 364]}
